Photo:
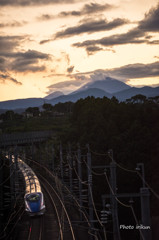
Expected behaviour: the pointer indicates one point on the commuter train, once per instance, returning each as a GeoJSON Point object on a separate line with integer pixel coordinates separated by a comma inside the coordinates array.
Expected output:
{"type": "Point", "coordinates": [33, 198]}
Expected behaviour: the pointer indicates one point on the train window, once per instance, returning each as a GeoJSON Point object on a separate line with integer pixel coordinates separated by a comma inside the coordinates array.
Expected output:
{"type": "Point", "coordinates": [33, 197]}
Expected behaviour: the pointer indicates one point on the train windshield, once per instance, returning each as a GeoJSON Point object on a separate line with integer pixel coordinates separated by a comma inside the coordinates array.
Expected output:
{"type": "Point", "coordinates": [33, 198]}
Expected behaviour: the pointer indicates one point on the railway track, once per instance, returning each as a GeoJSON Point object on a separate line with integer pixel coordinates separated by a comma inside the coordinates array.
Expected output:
{"type": "Point", "coordinates": [36, 228]}
{"type": "Point", "coordinates": [53, 226]}
{"type": "Point", "coordinates": [56, 223]}
{"type": "Point", "coordinates": [65, 229]}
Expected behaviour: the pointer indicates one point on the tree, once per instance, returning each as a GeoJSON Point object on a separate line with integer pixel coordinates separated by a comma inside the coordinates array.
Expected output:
{"type": "Point", "coordinates": [139, 98]}
{"type": "Point", "coordinates": [47, 107]}
{"type": "Point", "coordinates": [33, 110]}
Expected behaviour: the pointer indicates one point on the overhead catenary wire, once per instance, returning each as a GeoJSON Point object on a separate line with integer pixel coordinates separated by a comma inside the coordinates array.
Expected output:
{"type": "Point", "coordinates": [63, 186]}
{"type": "Point", "coordinates": [137, 172]}
{"type": "Point", "coordinates": [123, 204]}
{"type": "Point", "coordinates": [130, 171]}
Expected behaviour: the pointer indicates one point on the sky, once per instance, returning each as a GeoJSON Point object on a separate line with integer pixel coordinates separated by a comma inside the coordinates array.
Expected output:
{"type": "Point", "coordinates": [60, 45]}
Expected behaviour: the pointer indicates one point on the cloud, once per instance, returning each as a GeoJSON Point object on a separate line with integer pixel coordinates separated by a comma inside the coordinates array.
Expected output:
{"type": "Point", "coordinates": [137, 35]}
{"type": "Point", "coordinates": [151, 21]}
{"type": "Point", "coordinates": [137, 70]}
{"type": "Point", "coordinates": [26, 3]}
{"type": "Point", "coordinates": [10, 43]}
{"type": "Point", "coordinates": [26, 65]}
{"type": "Point", "coordinates": [64, 86]}
{"type": "Point", "coordinates": [28, 61]}
{"type": "Point", "coordinates": [93, 49]}
{"type": "Point", "coordinates": [6, 77]}
{"type": "Point", "coordinates": [131, 71]}
{"type": "Point", "coordinates": [132, 36]}
{"type": "Point", "coordinates": [123, 73]}
{"type": "Point", "coordinates": [70, 69]}
{"type": "Point", "coordinates": [11, 59]}
{"type": "Point", "coordinates": [13, 24]}
{"type": "Point", "coordinates": [46, 17]}
{"type": "Point", "coordinates": [91, 27]}
{"type": "Point", "coordinates": [87, 9]}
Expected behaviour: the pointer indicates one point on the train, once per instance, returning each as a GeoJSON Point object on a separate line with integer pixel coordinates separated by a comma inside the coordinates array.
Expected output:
{"type": "Point", "coordinates": [33, 198]}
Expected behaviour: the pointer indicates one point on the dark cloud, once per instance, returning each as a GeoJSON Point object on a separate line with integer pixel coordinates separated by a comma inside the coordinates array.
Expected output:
{"type": "Point", "coordinates": [2, 63]}
{"type": "Point", "coordinates": [6, 77]}
{"type": "Point", "coordinates": [28, 61]}
{"type": "Point", "coordinates": [26, 65]}
{"type": "Point", "coordinates": [32, 54]}
{"type": "Point", "coordinates": [70, 69]}
{"type": "Point", "coordinates": [91, 27]}
{"type": "Point", "coordinates": [132, 36]}
{"type": "Point", "coordinates": [13, 24]}
{"type": "Point", "coordinates": [137, 35]}
{"type": "Point", "coordinates": [137, 70]}
{"type": "Point", "coordinates": [151, 21]}
{"type": "Point", "coordinates": [87, 9]}
{"type": "Point", "coordinates": [10, 43]}
{"type": "Point", "coordinates": [45, 41]}
{"type": "Point", "coordinates": [33, 2]}
{"type": "Point", "coordinates": [123, 73]}
{"type": "Point", "coordinates": [126, 72]}
{"type": "Point", "coordinates": [46, 17]}
{"type": "Point", "coordinates": [11, 59]}
{"type": "Point", "coordinates": [92, 49]}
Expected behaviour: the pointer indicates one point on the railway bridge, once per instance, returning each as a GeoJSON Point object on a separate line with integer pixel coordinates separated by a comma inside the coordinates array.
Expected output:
{"type": "Point", "coordinates": [17, 139]}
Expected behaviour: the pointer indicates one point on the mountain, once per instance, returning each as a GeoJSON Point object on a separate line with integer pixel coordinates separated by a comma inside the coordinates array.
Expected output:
{"type": "Point", "coordinates": [82, 94]}
{"type": "Point", "coordinates": [54, 95]}
{"type": "Point", "coordinates": [146, 91]}
{"type": "Point", "coordinates": [110, 85]}
{"type": "Point", "coordinates": [22, 103]}
{"type": "Point", "coordinates": [38, 102]}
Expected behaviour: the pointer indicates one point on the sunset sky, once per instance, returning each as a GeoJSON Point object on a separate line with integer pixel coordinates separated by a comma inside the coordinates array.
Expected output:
{"type": "Point", "coordinates": [59, 45]}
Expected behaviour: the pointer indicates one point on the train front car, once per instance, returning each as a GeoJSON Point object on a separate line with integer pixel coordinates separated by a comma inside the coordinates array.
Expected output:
{"type": "Point", "coordinates": [34, 204]}
{"type": "Point", "coordinates": [34, 199]}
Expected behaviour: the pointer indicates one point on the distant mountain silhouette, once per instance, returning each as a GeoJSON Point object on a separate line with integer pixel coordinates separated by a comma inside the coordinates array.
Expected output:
{"type": "Point", "coordinates": [109, 87]}
{"type": "Point", "coordinates": [146, 91]}
{"type": "Point", "coordinates": [22, 103]}
{"type": "Point", "coordinates": [54, 95]}
{"type": "Point", "coordinates": [81, 94]}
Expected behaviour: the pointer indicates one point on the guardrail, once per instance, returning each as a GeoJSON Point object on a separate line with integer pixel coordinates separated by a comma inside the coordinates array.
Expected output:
{"type": "Point", "coordinates": [24, 138]}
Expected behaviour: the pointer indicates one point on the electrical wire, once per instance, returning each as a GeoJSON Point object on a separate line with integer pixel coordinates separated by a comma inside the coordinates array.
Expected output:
{"type": "Point", "coordinates": [137, 172]}
{"type": "Point", "coordinates": [63, 186]}
{"type": "Point", "coordinates": [129, 170]}
{"type": "Point", "coordinates": [123, 204]}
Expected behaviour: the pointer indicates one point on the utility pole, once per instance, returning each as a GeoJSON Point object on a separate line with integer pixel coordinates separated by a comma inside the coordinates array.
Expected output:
{"type": "Point", "coordinates": [12, 173]}
{"type": "Point", "coordinates": [113, 192]}
{"type": "Point", "coordinates": [145, 213]}
{"type": "Point", "coordinates": [61, 162]}
{"type": "Point", "coordinates": [70, 168]}
{"type": "Point", "coordinates": [1, 193]}
{"type": "Point", "coordinates": [53, 159]}
{"type": "Point", "coordinates": [140, 166]}
{"type": "Point", "coordinates": [16, 171]}
{"type": "Point", "coordinates": [80, 180]}
{"type": "Point", "coordinates": [90, 202]}
{"type": "Point", "coordinates": [145, 205]}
